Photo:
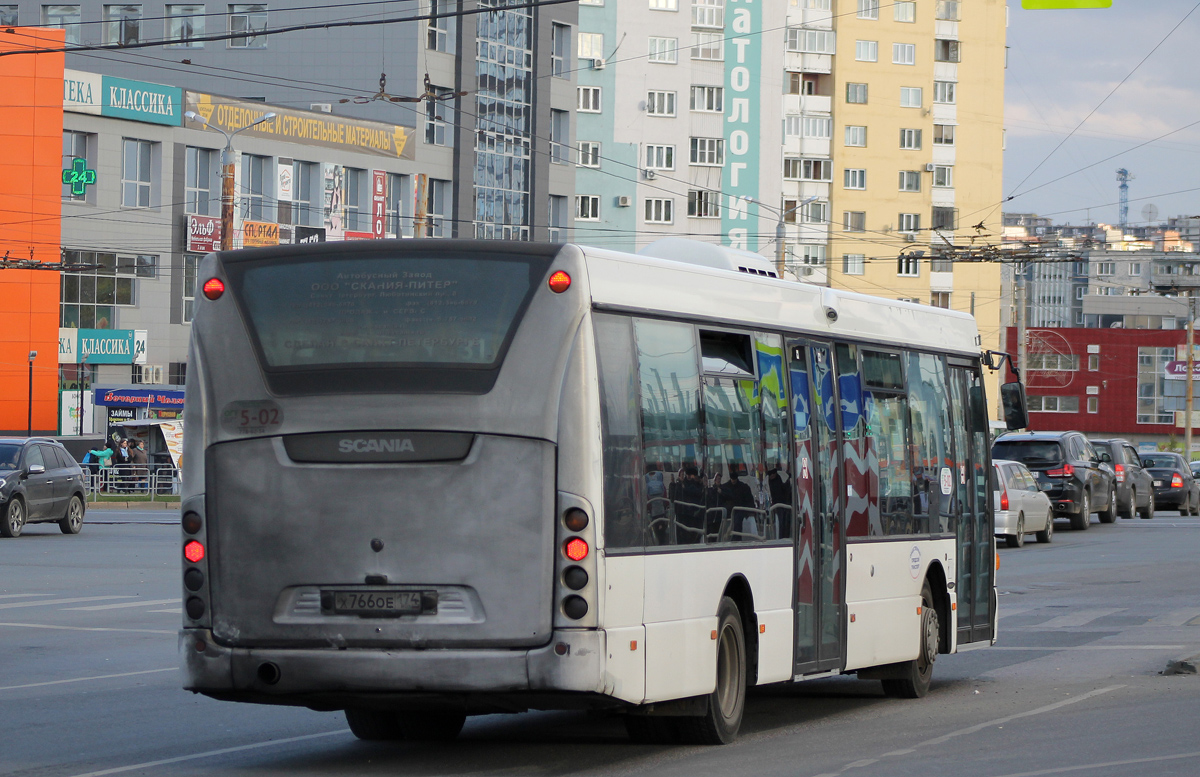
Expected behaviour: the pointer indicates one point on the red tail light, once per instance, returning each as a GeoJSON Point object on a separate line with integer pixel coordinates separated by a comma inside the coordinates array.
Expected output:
{"type": "Point", "coordinates": [576, 549]}
{"type": "Point", "coordinates": [193, 552]}
{"type": "Point", "coordinates": [1120, 469]}
{"type": "Point", "coordinates": [1176, 481]}
{"type": "Point", "coordinates": [559, 282]}
{"type": "Point", "coordinates": [1004, 499]}
{"type": "Point", "coordinates": [214, 288]}
{"type": "Point", "coordinates": [1065, 471]}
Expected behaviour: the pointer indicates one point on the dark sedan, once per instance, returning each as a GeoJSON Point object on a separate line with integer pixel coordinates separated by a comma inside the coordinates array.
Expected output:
{"type": "Point", "coordinates": [39, 482]}
{"type": "Point", "coordinates": [1174, 485]}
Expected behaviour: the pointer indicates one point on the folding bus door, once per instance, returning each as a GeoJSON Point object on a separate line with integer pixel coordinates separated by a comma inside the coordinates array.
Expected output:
{"type": "Point", "coordinates": [975, 585]}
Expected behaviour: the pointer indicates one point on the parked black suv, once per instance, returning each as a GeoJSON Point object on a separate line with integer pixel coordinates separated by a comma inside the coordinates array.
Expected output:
{"type": "Point", "coordinates": [1135, 486]}
{"type": "Point", "coordinates": [39, 481]}
{"type": "Point", "coordinates": [1067, 469]}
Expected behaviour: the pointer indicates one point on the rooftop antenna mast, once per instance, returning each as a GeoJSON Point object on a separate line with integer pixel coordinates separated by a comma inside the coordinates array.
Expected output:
{"type": "Point", "coordinates": [1123, 177]}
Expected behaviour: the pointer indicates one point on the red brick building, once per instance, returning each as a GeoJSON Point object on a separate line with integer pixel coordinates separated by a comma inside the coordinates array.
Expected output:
{"type": "Point", "coordinates": [1105, 382]}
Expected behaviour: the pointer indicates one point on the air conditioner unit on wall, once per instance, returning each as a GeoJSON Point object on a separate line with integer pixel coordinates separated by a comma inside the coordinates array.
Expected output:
{"type": "Point", "coordinates": [929, 168]}
{"type": "Point", "coordinates": [597, 64]}
{"type": "Point", "coordinates": [650, 174]}
{"type": "Point", "coordinates": [322, 107]}
{"type": "Point", "coordinates": [624, 201]}
{"type": "Point", "coordinates": [150, 373]}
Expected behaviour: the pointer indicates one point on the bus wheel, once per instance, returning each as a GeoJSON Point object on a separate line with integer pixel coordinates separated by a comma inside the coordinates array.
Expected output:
{"type": "Point", "coordinates": [919, 672]}
{"type": "Point", "coordinates": [438, 726]}
{"type": "Point", "coordinates": [373, 725]}
{"type": "Point", "coordinates": [720, 723]}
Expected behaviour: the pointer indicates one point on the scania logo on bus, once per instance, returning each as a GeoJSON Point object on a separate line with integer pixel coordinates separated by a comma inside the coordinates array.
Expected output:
{"type": "Point", "coordinates": [914, 562]}
{"type": "Point", "coordinates": [363, 445]}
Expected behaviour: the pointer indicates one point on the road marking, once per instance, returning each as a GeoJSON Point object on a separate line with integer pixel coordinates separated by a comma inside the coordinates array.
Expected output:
{"type": "Point", "coordinates": [1092, 647]}
{"type": "Point", "coordinates": [211, 753]}
{"type": "Point", "coordinates": [48, 602]}
{"type": "Point", "coordinates": [1081, 767]}
{"type": "Point", "coordinates": [90, 628]}
{"type": "Point", "coordinates": [968, 730]}
{"type": "Point", "coordinates": [122, 605]}
{"type": "Point", "coordinates": [175, 611]}
{"type": "Point", "coordinates": [21, 596]}
{"type": "Point", "coordinates": [85, 679]}
{"type": "Point", "coordinates": [1079, 618]}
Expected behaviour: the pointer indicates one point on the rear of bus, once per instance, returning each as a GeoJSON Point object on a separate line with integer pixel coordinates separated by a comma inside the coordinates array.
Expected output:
{"type": "Point", "coordinates": [383, 439]}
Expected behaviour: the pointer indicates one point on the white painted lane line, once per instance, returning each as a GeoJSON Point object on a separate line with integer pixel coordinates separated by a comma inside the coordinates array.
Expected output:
{"type": "Point", "coordinates": [973, 729]}
{"type": "Point", "coordinates": [89, 628]}
{"type": "Point", "coordinates": [85, 679]}
{"type": "Point", "coordinates": [211, 753]}
{"type": "Point", "coordinates": [1081, 767]}
{"type": "Point", "coordinates": [123, 605]}
{"type": "Point", "coordinates": [21, 596]}
{"type": "Point", "coordinates": [175, 611]}
{"type": "Point", "coordinates": [48, 602]}
{"type": "Point", "coordinates": [1078, 618]}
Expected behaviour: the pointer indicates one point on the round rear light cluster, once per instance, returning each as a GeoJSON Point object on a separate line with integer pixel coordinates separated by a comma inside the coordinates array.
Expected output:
{"type": "Point", "coordinates": [214, 288]}
{"type": "Point", "coordinates": [193, 551]}
{"type": "Point", "coordinates": [559, 282]}
{"type": "Point", "coordinates": [575, 549]}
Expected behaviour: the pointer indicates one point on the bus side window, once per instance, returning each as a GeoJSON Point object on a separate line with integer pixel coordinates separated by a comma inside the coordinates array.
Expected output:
{"type": "Point", "coordinates": [857, 466]}
{"type": "Point", "coordinates": [776, 486]}
{"type": "Point", "coordinates": [668, 367]}
{"type": "Point", "coordinates": [929, 412]}
{"type": "Point", "coordinates": [620, 431]}
{"type": "Point", "coordinates": [886, 408]}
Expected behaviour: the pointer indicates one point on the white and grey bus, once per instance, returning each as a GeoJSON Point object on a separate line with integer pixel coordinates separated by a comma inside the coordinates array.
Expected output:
{"type": "Point", "coordinates": [431, 479]}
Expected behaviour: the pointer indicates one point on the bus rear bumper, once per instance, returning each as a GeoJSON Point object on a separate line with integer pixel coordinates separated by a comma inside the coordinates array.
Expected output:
{"type": "Point", "coordinates": [573, 661]}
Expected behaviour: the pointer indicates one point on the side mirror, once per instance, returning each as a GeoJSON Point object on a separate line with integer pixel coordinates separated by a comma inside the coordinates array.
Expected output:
{"type": "Point", "coordinates": [36, 469]}
{"type": "Point", "coordinates": [1012, 397]}
{"type": "Point", "coordinates": [1104, 457]}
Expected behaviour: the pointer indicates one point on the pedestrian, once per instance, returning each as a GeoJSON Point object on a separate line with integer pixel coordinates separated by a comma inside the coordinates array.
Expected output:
{"type": "Point", "coordinates": [123, 462]}
{"type": "Point", "coordinates": [103, 460]}
{"type": "Point", "coordinates": [141, 469]}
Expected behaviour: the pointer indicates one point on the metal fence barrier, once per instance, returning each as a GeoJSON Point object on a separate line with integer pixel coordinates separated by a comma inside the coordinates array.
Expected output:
{"type": "Point", "coordinates": [143, 480]}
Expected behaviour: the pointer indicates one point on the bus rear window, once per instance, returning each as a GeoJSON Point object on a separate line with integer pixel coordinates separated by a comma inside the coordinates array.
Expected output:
{"type": "Point", "coordinates": [386, 309]}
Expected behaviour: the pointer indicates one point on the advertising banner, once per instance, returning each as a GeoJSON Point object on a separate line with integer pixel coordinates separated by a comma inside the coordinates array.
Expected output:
{"type": "Point", "coordinates": [743, 69]}
{"type": "Point", "coordinates": [352, 235]}
{"type": "Point", "coordinates": [162, 399]}
{"type": "Point", "coordinates": [121, 98]}
{"type": "Point", "coordinates": [203, 234]}
{"type": "Point", "coordinates": [101, 346]}
{"type": "Point", "coordinates": [256, 234]}
{"type": "Point", "coordinates": [1177, 370]}
{"type": "Point", "coordinates": [378, 203]}
{"type": "Point", "coordinates": [309, 235]}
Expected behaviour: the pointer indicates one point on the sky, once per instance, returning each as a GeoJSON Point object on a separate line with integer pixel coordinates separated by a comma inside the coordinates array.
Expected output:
{"type": "Point", "coordinates": [1061, 66]}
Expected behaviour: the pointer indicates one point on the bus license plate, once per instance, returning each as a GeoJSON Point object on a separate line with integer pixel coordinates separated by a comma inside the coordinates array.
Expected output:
{"type": "Point", "coordinates": [380, 604]}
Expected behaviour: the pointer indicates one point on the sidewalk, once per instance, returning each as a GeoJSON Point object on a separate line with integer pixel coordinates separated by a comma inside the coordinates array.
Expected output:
{"type": "Point", "coordinates": [158, 505]}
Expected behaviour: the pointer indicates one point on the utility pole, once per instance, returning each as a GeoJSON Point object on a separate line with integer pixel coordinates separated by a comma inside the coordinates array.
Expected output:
{"type": "Point", "coordinates": [1187, 412]}
{"type": "Point", "coordinates": [82, 383]}
{"type": "Point", "coordinates": [227, 172]}
{"type": "Point", "coordinates": [29, 425]}
{"type": "Point", "coordinates": [1020, 300]}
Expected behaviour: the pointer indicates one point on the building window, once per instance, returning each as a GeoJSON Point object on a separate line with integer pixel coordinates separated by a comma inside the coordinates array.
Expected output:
{"type": "Point", "coordinates": [358, 211]}
{"type": "Point", "coordinates": [1106, 268]}
{"type": "Point", "coordinates": [856, 136]}
{"type": "Point", "coordinates": [905, 11]}
{"type": "Point", "coordinates": [560, 50]}
{"type": "Point", "coordinates": [439, 117]}
{"type": "Point", "coordinates": [8, 16]}
{"type": "Point", "coordinates": [660, 157]}
{"type": "Point", "coordinates": [941, 263]}
{"type": "Point", "coordinates": [856, 93]}
{"type": "Point", "coordinates": [177, 373]}
{"type": "Point", "coordinates": [943, 176]}
{"type": "Point", "coordinates": [589, 153]}
{"type": "Point", "coordinates": [943, 92]}
{"type": "Point", "coordinates": [440, 30]}
{"type": "Point", "coordinates": [306, 178]}
{"type": "Point", "coordinates": [810, 41]}
{"type": "Point", "coordinates": [909, 222]}
{"type": "Point", "coordinates": [1093, 404]}
{"type": "Point", "coordinates": [198, 180]}
{"type": "Point", "coordinates": [707, 13]}
{"type": "Point", "coordinates": [89, 299]}
{"type": "Point", "coordinates": [184, 24]}
{"type": "Point", "coordinates": [854, 264]}
{"type": "Point", "coordinates": [64, 17]}
{"type": "Point", "coordinates": [1094, 362]}
{"type": "Point", "coordinates": [660, 103]}
{"type": "Point", "coordinates": [135, 173]}
{"type": "Point", "coordinates": [1053, 362]}
{"type": "Point", "coordinates": [809, 255]}
{"type": "Point", "coordinates": [704, 204]}
{"type": "Point", "coordinates": [940, 299]}
{"type": "Point", "coordinates": [587, 207]}
{"type": "Point", "coordinates": [943, 134]}
{"type": "Point", "coordinates": [254, 180]}
{"type": "Point", "coordinates": [663, 5]}
{"type": "Point", "coordinates": [817, 127]}
{"type": "Point", "coordinates": [708, 46]}
{"type": "Point", "coordinates": [122, 25]}
{"type": "Point", "coordinates": [1157, 397]}
{"type": "Point", "coordinates": [908, 266]}
{"type": "Point", "coordinates": [854, 178]}
{"type": "Point", "coordinates": [76, 145]}
{"type": "Point", "coordinates": [868, 9]}
{"type": "Point", "coordinates": [664, 50]}
{"type": "Point", "coordinates": [591, 45]}
{"type": "Point", "coordinates": [558, 219]}
{"type": "Point", "coordinates": [910, 97]}
{"type": "Point", "coordinates": [796, 169]}
{"type": "Point", "coordinates": [904, 54]}
{"type": "Point", "coordinates": [816, 212]}
{"type": "Point", "coordinates": [709, 152]}
{"type": "Point", "coordinates": [589, 99]}
{"type": "Point", "coordinates": [246, 20]}
{"type": "Point", "coordinates": [854, 221]}
{"type": "Point", "coordinates": [660, 211]}
{"type": "Point", "coordinates": [191, 263]}
{"type": "Point", "coordinates": [437, 199]}
{"type": "Point", "coordinates": [947, 10]}
{"type": "Point", "coordinates": [945, 219]}
{"type": "Point", "coordinates": [708, 99]}
{"type": "Point", "coordinates": [866, 50]}
{"type": "Point", "coordinates": [1049, 404]}
{"type": "Point", "coordinates": [399, 200]}
{"type": "Point", "coordinates": [1135, 268]}
{"type": "Point", "coordinates": [560, 138]}
{"type": "Point", "coordinates": [945, 50]}
{"type": "Point", "coordinates": [910, 139]}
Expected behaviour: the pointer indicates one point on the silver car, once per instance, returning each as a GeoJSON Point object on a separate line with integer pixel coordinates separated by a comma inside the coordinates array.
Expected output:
{"type": "Point", "coordinates": [1021, 507]}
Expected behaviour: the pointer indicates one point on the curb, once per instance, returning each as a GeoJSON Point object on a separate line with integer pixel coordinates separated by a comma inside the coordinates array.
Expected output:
{"type": "Point", "coordinates": [91, 506]}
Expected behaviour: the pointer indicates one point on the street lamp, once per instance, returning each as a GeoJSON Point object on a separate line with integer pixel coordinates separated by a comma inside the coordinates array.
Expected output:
{"type": "Point", "coordinates": [780, 229]}
{"type": "Point", "coordinates": [82, 384]}
{"type": "Point", "coordinates": [29, 425]}
{"type": "Point", "coordinates": [227, 173]}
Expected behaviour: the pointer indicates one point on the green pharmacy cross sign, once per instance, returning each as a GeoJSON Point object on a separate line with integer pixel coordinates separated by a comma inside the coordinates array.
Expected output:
{"type": "Point", "coordinates": [79, 177]}
{"type": "Point", "coordinates": [1056, 4]}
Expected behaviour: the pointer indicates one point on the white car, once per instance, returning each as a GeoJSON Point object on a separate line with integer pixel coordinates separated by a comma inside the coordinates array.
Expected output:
{"type": "Point", "coordinates": [1021, 507]}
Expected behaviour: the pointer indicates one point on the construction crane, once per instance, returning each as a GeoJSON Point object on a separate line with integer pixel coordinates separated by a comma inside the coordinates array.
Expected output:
{"type": "Point", "coordinates": [1123, 178]}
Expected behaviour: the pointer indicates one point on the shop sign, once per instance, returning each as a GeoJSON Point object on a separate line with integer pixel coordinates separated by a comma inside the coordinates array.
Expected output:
{"type": "Point", "coordinates": [309, 128]}
{"type": "Point", "coordinates": [203, 234]}
{"type": "Point", "coordinates": [101, 346]}
{"type": "Point", "coordinates": [81, 92]}
{"type": "Point", "coordinates": [309, 235]}
{"type": "Point", "coordinates": [256, 234]}
{"type": "Point", "coordinates": [79, 177]}
{"type": "Point", "coordinates": [158, 399]}
{"type": "Point", "coordinates": [122, 98]}
{"type": "Point", "coordinates": [378, 202]}
{"type": "Point", "coordinates": [743, 69]}
{"type": "Point", "coordinates": [283, 185]}
{"type": "Point", "coordinates": [1177, 370]}
{"type": "Point", "coordinates": [349, 235]}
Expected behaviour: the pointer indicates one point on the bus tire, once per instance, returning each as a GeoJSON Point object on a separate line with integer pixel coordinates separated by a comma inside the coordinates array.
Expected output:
{"type": "Point", "coordinates": [373, 725]}
{"type": "Point", "coordinates": [431, 726]}
{"type": "Point", "coordinates": [727, 703]}
{"type": "Point", "coordinates": [918, 673]}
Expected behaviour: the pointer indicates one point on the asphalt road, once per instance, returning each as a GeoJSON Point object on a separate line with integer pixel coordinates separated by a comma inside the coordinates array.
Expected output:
{"type": "Point", "coordinates": [89, 685]}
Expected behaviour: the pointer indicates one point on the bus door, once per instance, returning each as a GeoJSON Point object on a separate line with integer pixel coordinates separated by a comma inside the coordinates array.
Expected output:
{"type": "Point", "coordinates": [976, 550]}
{"type": "Point", "coordinates": [820, 541]}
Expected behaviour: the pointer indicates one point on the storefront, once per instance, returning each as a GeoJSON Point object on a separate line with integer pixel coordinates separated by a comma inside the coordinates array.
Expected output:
{"type": "Point", "coordinates": [80, 352]}
{"type": "Point", "coordinates": [153, 414]}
